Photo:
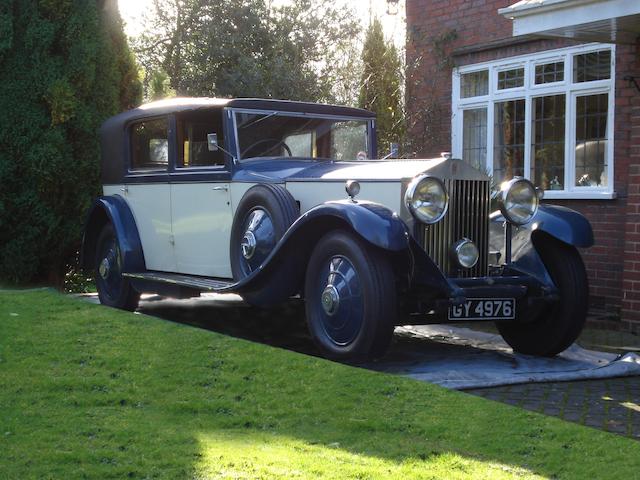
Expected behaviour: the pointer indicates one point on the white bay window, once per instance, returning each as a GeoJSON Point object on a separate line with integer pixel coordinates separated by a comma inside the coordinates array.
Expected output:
{"type": "Point", "coordinates": [546, 116]}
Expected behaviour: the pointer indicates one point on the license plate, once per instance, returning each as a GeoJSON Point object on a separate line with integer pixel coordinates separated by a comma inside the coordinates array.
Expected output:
{"type": "Point", "coordinates": [484, 309]}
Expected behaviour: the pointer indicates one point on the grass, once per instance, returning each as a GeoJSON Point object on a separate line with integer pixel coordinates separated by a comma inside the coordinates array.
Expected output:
{"type": "Point", "coordinates": [91, 392]}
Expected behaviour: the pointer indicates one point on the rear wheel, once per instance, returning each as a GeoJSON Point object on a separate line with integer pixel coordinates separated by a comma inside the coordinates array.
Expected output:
{"type": "Point", "coordinates": [555, 328]}
{"type": "Point", "coordinates": [350, 298]}
{"type": "Point", "coordinates": [113, 289]}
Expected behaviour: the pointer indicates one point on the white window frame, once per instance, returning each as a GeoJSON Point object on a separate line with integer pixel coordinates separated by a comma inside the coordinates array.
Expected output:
{"type": "Point", "coordinates": [528, 92]}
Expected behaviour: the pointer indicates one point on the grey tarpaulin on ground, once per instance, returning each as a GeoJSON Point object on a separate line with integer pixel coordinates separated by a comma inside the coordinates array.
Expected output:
{"type": "Point", "coordinates": [462, 358]}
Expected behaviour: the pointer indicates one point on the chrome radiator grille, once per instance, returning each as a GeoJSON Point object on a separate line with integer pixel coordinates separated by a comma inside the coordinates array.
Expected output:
{"type": "Point", "coordinates": [467, 216]}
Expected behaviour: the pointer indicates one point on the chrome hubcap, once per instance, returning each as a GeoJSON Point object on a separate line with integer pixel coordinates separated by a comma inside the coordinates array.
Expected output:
{"type": "Point", "coordinates": [330, 300]}
{"type": "Point", "coordinates": [248, 244]}
{"type": "Point", "coordinates": [104, 268]}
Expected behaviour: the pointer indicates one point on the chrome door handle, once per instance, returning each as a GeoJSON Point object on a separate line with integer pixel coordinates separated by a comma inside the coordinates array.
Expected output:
{"type": "Point", "coordinates": [125, 189]}
{"type": "Point", "coordinates": [224, 188]}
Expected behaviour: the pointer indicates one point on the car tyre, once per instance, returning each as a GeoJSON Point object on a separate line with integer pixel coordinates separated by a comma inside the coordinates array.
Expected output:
{"type": "Point", "coordinates": [114, 290]}
{"type": "Point", "coordinates": [350, 298]}
{"type": "Point", "coordinates": [556, 327]}
{"type": "Point", "coordinates": [263, 216]}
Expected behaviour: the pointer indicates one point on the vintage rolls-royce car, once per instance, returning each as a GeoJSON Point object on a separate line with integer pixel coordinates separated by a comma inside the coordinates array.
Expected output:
{"type": "Point", "coordinates": [274, 199]}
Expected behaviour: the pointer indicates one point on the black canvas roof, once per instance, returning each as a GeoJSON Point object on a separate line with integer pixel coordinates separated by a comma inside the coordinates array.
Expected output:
{"type": "Point", "coordinates": [173, 105]}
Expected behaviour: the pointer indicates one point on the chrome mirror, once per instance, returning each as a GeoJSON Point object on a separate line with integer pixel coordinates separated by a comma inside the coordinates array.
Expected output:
{"type": "Point", "coordinates": [212, 142]}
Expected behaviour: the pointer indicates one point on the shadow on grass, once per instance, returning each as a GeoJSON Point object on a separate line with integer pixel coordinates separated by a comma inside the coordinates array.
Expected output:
{"type": "Point", "coordinates": [285, 327]}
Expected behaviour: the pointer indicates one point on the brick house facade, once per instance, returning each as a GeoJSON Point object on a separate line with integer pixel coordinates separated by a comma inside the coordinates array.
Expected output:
{"type": "Point", "coordinates": [448, 40]}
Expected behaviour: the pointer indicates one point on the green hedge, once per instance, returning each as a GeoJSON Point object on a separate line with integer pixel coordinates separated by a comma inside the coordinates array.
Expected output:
{"type": "Point", "coordinates": [64, 67]}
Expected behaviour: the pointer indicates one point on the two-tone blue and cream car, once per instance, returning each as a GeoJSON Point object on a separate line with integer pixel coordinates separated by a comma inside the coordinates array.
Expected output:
{"type": "Point", "coordinates": [273, 199]}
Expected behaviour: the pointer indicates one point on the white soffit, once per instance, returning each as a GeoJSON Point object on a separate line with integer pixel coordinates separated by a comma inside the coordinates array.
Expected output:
{"type": "Point", "coordinates": [609, 21]}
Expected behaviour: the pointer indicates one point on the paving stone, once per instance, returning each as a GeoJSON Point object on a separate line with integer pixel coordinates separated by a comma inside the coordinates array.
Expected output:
{"type": "Point", "coordinates": [593, 422]}
{"type": "Point", "coordinates": [572, 415]}
{"type": "Point", "coordinates": [612, 405]}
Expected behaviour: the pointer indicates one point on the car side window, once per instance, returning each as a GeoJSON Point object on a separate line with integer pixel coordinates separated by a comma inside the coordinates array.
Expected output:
{"type": "Point", "coordinates": [150, 145]}
{"type": "Point", "coordinates": [193, 149]}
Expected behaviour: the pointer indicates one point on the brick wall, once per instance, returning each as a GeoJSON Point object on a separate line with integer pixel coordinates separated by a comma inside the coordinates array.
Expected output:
{"type": "Point", "coordinates": [443, 34]}
{"type": "Point", "coordinates": [631, 273]}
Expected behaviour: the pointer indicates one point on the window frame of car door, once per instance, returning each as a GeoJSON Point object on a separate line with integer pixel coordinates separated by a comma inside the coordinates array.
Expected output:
{"type": "Point", "coordinates": [148, 175]}
{"type": "Point", "coordinates": [204, 173]}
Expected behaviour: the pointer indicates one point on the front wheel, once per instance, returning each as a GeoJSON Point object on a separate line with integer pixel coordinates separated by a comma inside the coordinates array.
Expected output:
{"type": "Point", "coordinates": [113, 289]}
{"type": "Point", "coordinates": [350, 298]}
{"type": "Point", "coordinates": [555, 328]}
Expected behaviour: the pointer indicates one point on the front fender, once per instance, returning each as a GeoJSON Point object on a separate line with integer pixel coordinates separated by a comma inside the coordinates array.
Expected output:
{"type": "Point", "coordinates": [564, 224]}
{"type": "Point", "coordinates": [372, 222]}
{"type": "Point", "coordinates": [561, 223]}
{"type": "Point", "coordinates": [113, 209]}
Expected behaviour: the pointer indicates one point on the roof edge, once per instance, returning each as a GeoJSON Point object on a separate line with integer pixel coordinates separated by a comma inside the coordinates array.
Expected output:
{"type": "Point", "coordinates": [524, 8]}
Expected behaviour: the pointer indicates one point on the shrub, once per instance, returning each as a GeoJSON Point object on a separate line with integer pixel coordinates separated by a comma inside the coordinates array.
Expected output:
{"type": "Point", "coordinates": [64, 67]}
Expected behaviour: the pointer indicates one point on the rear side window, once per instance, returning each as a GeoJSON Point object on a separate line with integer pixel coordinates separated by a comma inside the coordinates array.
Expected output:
{"type": "Point", "coordinates": [150, 145]}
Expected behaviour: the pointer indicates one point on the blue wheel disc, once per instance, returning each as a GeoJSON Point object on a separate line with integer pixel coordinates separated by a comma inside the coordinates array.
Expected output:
{"type": "Point", "coordinates": [341, 299]}
{"type": "Point", "coordinates": [110, 268]}
{"type": "Point", "coordinates": [258, 240]}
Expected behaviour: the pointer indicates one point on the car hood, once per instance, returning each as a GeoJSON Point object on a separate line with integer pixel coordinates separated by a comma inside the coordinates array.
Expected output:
{"type": "Point", "coordinates": [393, 170]}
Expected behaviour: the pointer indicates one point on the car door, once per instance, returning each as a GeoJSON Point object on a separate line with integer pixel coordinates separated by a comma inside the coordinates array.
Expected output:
{"type": "Point", "coordinates": [146, 190]}
{"type": "Point", "coordinates": [200, 198]}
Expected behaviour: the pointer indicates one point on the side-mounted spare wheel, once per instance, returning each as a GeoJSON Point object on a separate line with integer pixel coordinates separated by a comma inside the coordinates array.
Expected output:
{"type": "Point", "coordinates": [556, 327]}
{"type": "Point", "coordinates": [114, 290]}
{"type": "Point", "coordinates": [350, 297]}
{"type": "Point", "coordinates": [263, 216]}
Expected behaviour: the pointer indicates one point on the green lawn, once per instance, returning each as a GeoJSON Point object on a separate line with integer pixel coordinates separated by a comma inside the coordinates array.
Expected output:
{"type": "Point", "coordinates": [90, 392]}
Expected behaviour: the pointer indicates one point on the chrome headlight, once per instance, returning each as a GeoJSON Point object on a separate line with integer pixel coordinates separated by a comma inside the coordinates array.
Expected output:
{"type": "Point", "coordinates": [518, 200]}
{"type": "Point", "coordinates": [426, 198]}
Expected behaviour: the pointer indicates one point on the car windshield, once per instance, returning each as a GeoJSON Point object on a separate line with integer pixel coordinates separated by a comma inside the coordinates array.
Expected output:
{"type": "Point", "coordinates": [278, 134]}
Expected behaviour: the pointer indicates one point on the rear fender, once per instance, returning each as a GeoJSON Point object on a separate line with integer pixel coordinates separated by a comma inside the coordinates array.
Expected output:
{"type": "Point", "coordinates": [113, 209]}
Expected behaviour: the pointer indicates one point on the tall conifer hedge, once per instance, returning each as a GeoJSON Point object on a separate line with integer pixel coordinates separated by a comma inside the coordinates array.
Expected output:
{"type": "Point", "coordinates": [64, 67]}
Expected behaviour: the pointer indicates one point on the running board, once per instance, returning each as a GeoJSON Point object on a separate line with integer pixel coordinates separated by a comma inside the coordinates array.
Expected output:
{"type": "Point", "coordinates": [191, 281]}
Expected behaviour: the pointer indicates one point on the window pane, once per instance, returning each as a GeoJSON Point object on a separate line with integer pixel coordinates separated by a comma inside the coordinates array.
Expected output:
{"type": "Point", "coordinates": [511, 78]}
{"type": "Point", "coordinates": [474, 84]}
{"type": "Point", "coordinates": [547, 142]}
{"type": "Point", "coordinates": [193, 148]}
{"type": "Point", "coordinates": [592, 66]}
{"type": "Point", "coordinates": [508, 143]}
{"type": "Point", "coordinates": [300, 144]}
{"type": "Point", "coordinates": [550, 72]}
{"type": "Point", "coordinates": [591, 140]}
{"type": "Point", "coordinates": [349, 140]}
{"type": "Point", "coordinates": [267, 135]}
{"type": "Point", "coordinates": [150, 145]}
{"type": "Point", "coordinates": [474, 137]}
